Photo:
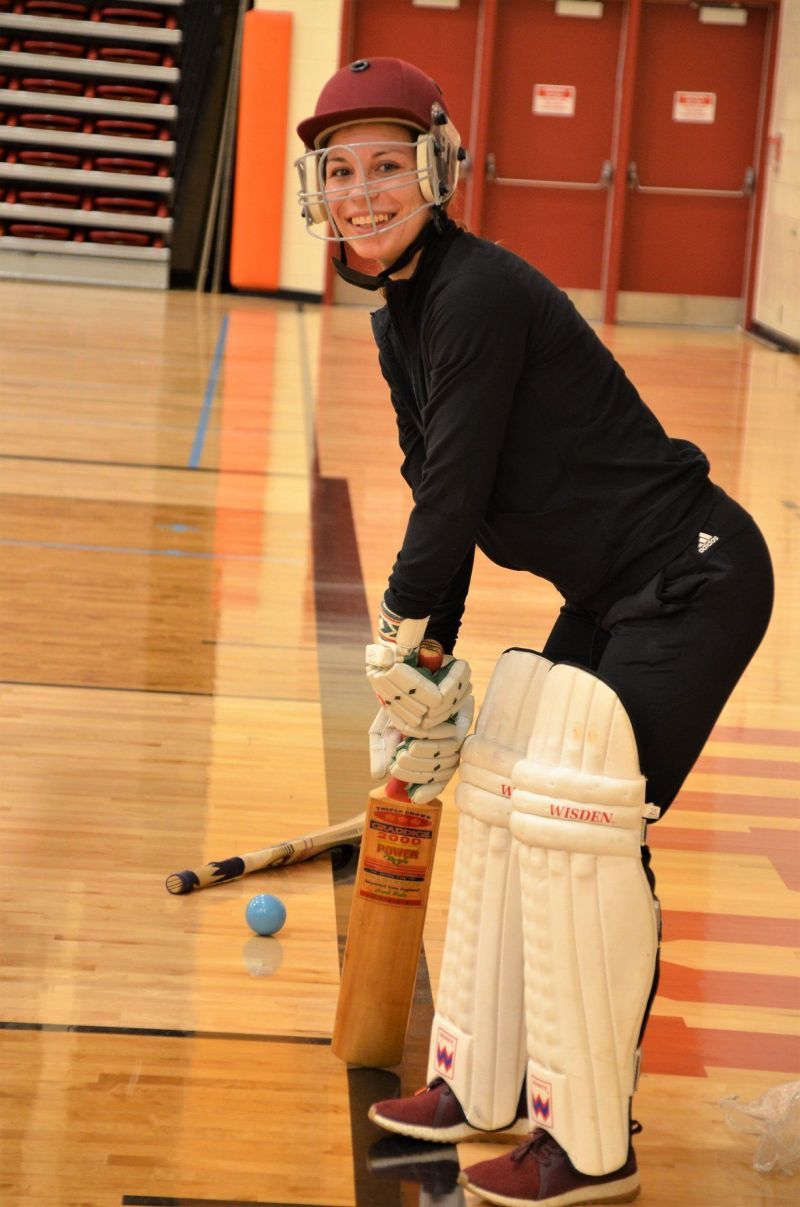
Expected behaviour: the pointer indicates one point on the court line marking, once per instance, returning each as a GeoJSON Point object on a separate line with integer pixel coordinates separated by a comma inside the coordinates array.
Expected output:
{"type": "Point", "coordinates": [134, 551]}
{"type": "Point", "coordinates": [166, 1033]}
{"type": "Point", "coordinates": [177, 692]}
{"type": "Point", "coordinates": [177, 469]}
{"type": "Point", "coordinates": [208, 398]}
{"type": "Point", "coordinates": [160, 1200]}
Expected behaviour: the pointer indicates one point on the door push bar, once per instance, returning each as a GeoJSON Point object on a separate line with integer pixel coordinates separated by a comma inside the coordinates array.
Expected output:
{"type": "Point", "coordinates": [747, 189]}
{"type": "Point", "coordinates": [604, 181]}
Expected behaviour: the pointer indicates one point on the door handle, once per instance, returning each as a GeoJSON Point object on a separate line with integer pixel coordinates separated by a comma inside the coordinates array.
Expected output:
{"type": "Point", "coordinates": [635, 185]}
{"type": "Point", "coordinates": [603, 182]}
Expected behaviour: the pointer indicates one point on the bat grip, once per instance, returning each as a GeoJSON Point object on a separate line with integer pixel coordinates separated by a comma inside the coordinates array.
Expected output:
{"type": "Point", "coordinates": [181, 882]}
{"type": "Point", "coordinates": [430, 656]}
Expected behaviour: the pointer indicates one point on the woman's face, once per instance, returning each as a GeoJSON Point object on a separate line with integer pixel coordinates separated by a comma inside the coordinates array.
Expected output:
{"type": "Point", "coordinates": [382, 155]}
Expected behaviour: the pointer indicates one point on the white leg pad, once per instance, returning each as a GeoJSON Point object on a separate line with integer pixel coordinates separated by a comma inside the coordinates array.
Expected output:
{"type": "Point", "coordinates": [478, 1036]}
{"type": "Point", "coordinates": [590, 919]}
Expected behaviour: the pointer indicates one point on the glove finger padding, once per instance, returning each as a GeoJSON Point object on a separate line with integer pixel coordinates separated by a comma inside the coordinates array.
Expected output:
{"type": "Point", "coordinates": [423, 794]}
{"type": "Point", "coordinates": [427, 764]}
{"type": "Point", "coordinates": [402, 681]}
{"type": "Point", "coordinates": [443, 746]}
{"type": "Point", "coordinates": [412, 769]}
{"type": "Point", "coordinates": [416, 700]}
{"type": "Point", "coordinates": [384, 739]}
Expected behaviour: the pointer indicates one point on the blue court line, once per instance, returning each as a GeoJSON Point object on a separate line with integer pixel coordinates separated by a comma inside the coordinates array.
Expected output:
{"type": "Point", "coordinates": [208, 397]}
{"type": "Point", "coordinates": [132, 550]}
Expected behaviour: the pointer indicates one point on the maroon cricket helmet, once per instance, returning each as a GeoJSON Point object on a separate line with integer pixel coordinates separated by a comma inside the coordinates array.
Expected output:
{"type": "Point", "coordinates": [385, 88]}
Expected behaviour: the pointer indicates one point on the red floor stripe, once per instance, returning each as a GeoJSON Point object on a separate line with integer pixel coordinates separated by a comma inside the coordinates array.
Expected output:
{"type": "Point", "coordinates": [731, 928]}
{"type": "Point", "coordinates": [719, 764]}
{"type": "Point", "coordinates": [781, 847]}
{"type": "Point", "coordinates": [763, 737]}
{"type": "Point", "coordinates": [681, 984]}
{"type": "Point", "coordinates": [727, 802]}
{"type": "Point", "coordinates": [672, 1047]}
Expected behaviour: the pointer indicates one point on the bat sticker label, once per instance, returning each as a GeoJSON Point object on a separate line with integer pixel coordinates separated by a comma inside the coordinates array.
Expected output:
{"type": "Point", "coordinates": [398, 855]}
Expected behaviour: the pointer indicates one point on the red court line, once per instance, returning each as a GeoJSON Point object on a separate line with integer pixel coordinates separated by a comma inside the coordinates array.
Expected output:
{"type": "Point", "coordinates": [672, 1047]}
{"type": "Point", "coordinates": [682, 984]}
{"type": "Point", "coordinates": [727, 802]}
{"type": "Point", "coordinates": [720, 764]}
{"type": "Point", "coordinates": [781, 847]}
{"type": "Point", "coordinates": [731, 928]}
{"type": "Point", "coordinates": [762, 737]}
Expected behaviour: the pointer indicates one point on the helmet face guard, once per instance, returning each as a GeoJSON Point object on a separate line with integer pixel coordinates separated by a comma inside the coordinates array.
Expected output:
{"type": "Point", "coordinates": [438, 153]}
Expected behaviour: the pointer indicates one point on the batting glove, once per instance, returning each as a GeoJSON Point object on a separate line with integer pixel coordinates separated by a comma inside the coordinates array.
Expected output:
{"type": "Point", "coordinates": [425, 765]}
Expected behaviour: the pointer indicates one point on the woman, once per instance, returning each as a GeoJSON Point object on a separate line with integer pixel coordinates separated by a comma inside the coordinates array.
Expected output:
{"type": "Point", "coordinates": [523, 436]}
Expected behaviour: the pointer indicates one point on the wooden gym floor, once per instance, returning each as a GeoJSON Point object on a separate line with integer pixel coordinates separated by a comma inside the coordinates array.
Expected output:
{"type": "Point", "coordinates": [200, 503]}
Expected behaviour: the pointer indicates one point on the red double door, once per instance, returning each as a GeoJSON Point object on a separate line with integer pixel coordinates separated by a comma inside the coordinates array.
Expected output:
{"type": "Point", "coordinates": [617, 152]}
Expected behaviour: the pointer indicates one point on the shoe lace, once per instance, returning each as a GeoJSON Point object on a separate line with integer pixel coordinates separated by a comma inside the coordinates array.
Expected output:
{"type": "Point", "coordinates": [434, 1085]}
{"type": "Point", "coordinates": [541, 1145]}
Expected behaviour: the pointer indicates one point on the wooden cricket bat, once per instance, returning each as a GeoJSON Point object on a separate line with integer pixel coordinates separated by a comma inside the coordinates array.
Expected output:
{"type": "Point", "coordinates": [387, 916]}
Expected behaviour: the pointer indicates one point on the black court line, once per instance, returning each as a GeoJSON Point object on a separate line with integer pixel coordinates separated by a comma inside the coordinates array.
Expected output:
{"type": "Point", "coordinates": [178, 469]}
{"type": "Point", "coordinates": [157, 691]}
{"type": "Point", "coordinates": [343, 629]}
{"type": "Point", "coordinates": [148, 1200]}
{"type": "Point", "coordinates": [168, 1033]}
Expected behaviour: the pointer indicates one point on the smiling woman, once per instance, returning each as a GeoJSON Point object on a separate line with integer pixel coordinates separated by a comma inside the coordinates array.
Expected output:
{"type": "Point", "coordinates": [371, 186]}
{"type": "Point", "coordinates": [523, 436]}
{"type": "Point", "coordinates": [381, 155]}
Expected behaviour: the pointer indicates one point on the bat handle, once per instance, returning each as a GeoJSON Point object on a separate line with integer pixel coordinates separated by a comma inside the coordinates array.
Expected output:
{"type": "Point", "coordinates": [430, 656]}
{"type": "Point", "coordinates": [181, 882]}
{"type": "Point", "coordinates": [396, 790]}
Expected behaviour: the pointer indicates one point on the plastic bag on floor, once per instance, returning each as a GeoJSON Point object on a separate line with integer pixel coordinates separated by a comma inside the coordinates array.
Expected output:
{"type": "Point", "coordinates": [775, 1117]}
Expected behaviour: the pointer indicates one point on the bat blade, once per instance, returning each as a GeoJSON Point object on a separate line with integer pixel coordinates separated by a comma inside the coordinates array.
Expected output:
{"type": "Point", "coordinates": [384, 934]}
{"type": "Point", "coordinates": [296, 850]}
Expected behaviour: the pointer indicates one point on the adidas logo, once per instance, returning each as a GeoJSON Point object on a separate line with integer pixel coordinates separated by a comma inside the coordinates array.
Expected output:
{"type": "Point", "coordinates": [705, 540]}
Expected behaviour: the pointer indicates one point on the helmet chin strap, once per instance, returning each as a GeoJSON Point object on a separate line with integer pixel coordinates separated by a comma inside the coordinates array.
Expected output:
{"type": "Point", "coordinates": [364, 281]}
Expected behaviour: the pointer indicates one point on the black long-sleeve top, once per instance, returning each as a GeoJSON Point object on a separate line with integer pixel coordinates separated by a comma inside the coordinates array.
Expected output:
{"type": "Point", "coordinates": [522, 435]}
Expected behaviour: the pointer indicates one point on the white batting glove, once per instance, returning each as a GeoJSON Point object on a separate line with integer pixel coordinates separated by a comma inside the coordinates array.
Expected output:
{"type": "Point", "coordinates": [415, 701]}
{"type": "Point", "coordinates": [426, 764]}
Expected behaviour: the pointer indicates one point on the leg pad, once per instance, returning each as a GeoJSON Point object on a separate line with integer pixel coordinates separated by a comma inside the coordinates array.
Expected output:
{"type": "Point", "coordinates": [590, 919]}
{"type": "Point", "coordinates": [478, 1037]}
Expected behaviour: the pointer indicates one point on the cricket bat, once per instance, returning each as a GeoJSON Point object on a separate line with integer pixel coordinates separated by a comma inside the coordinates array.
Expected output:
{"type": "Point", "coordinates": [387, 917]}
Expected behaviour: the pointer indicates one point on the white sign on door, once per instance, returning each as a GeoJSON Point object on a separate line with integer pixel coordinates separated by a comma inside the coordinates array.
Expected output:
{"type": "Point", "coordinates": [554, 100]}
{"type": "Point", "coordinates": [694, 107]}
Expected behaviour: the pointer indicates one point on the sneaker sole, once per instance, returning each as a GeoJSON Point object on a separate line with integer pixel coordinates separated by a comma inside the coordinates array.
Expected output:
{"type": "Point", "coordinates": [446, 1135]}
{"type": "Point", "coordinates": [623, 1191]}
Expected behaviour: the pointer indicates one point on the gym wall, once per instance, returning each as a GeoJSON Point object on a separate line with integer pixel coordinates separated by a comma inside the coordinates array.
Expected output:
{"type": "Point", "coordinates": [777, 305]}
{"type": "Point", "coordinates": [406, 28]}
{"type": "Point", "coordinates": [315, 56]}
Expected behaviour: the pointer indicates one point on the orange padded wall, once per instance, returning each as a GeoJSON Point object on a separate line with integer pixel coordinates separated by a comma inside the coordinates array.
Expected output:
{"type": "Point", "coordinates": [260, 151]}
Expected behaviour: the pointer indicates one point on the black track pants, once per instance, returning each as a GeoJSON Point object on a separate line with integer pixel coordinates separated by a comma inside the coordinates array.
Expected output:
{"type": "Point", "coordinates": [674, 650]}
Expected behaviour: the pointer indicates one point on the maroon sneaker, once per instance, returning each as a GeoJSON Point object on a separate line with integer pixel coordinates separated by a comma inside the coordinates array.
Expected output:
{"type": "Point", "coordinates": [434, 1113]}
{"type": "Point", "coordinates": [540, 1174]}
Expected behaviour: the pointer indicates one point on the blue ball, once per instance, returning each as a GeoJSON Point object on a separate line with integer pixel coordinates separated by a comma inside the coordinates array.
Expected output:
{"type": "Point", "coordinates": [265, 914]}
